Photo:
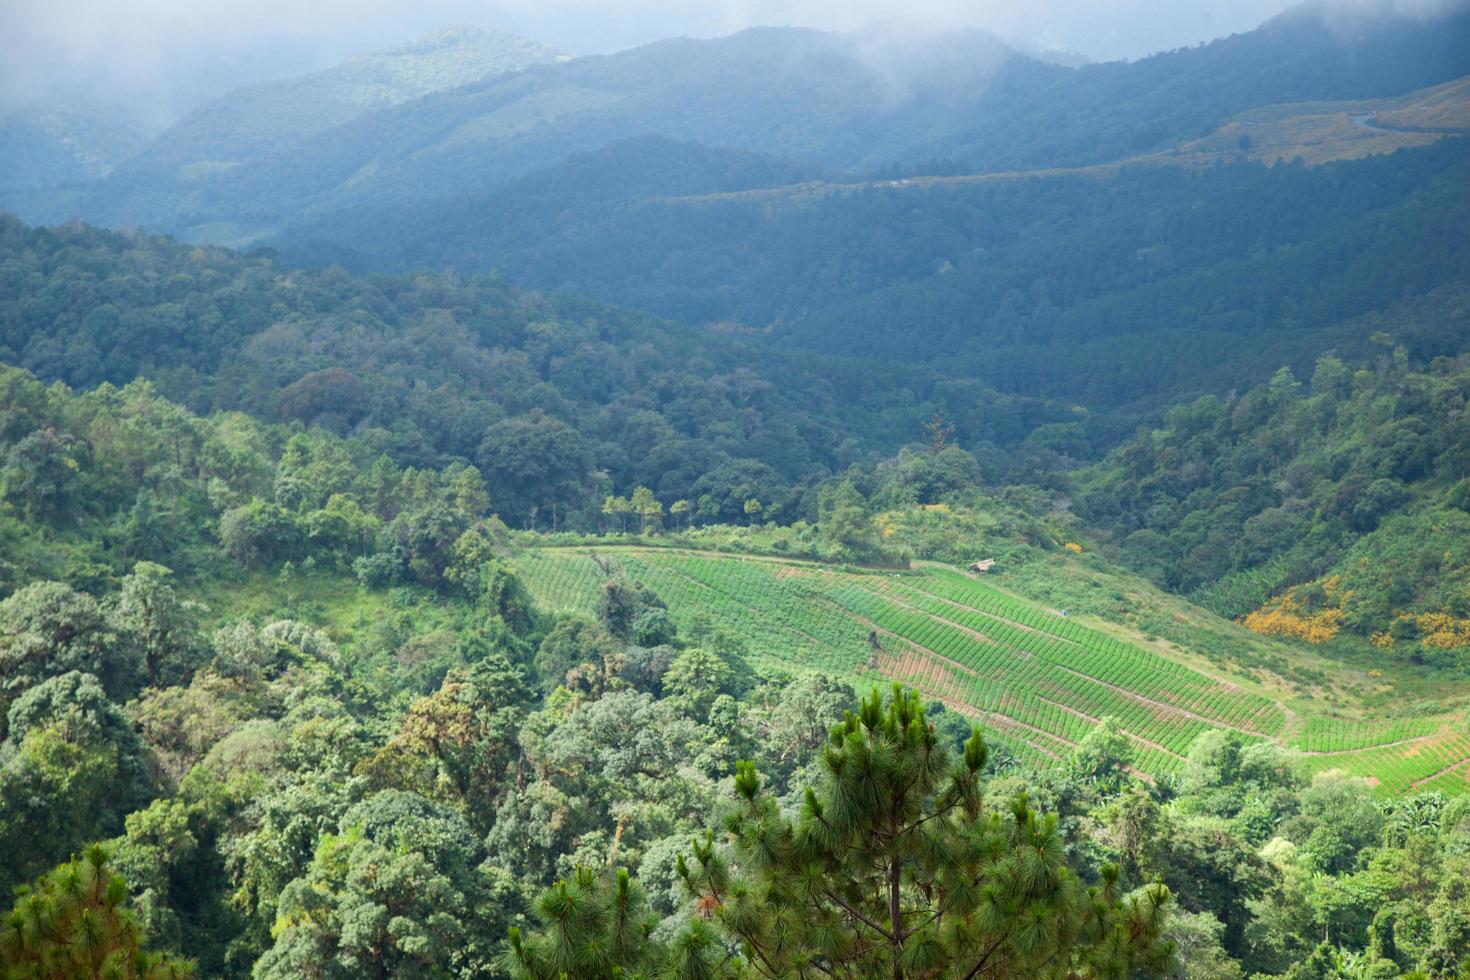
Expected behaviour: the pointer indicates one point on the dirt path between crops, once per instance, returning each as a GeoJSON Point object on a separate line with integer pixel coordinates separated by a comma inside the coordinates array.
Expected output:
{"type": "Point", "coordinates": [1374, 748]}
{"type": "Point", "coordinates": [1161, 705]}
{"type": "Point", "coordinates": [903, 639]}
{"type": "Point", "coordinates": [753, 610]}
{"type": "Point", "coordinates": [1023, 626]}
{"type": "Point", "coordinates": [1004, 722]}
{"type": "Point", "coordinates": [1445, 771]}
{"type": "Point", "coordinates": [973, 634]}
{"type": "Point", "coordinates": [1132, 695]}
{"type": "Point", "coordinates": [982, 612]}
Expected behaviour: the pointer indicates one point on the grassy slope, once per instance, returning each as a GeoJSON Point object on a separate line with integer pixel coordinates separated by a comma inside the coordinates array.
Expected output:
{"type": "Point", "coordinates": [995, 649]}
{"type": "Point", "coordinates": [1314, 132]}
{"type": "Point", "coordinates": [1036, 679]}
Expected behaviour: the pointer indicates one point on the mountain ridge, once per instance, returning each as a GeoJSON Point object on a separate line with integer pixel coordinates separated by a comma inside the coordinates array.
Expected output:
{"type": "Point", "coordinates": [838, 101]}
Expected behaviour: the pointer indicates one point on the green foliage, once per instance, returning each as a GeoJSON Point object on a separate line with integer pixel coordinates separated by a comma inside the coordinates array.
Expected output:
{"type": "Point", "coordinates": [70, 769]}
{"type": "Point", "coordinates": [597, 924]}
{"type": "Point", "coordinates": [893, 866]}
{"type": "Point", "coordinates": [1036, 285]}
{"type": "Point", "coordinates": [1347, 484]}
{"type": "Point", "coordinates": [77, 921]}
{"type": "Point", "coordinates": [48, 629]}
{"type": "Point", "coordinates": [847, 525]}
{"type": "Point", "coordinates": [165, 625]}
{"type": "Point", "coordinates": [41, 472]}
{"type": "Point", "coordinates": [399, 892]}
{"type": "Point", "coordinates": [462, 370]}
{"type": "Point", "coordinates": [458, 743]}
{"type": "Point", "coordinates": [569, 644]}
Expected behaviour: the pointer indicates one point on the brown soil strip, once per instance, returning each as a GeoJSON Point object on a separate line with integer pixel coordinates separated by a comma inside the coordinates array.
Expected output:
{"type": "Point", "coordinates": [1435, 775]}
{"type": "Point", "coordinates": [914, 665]}
{"type": "Point", "coordinates": [981, 612]}
{"type": "Point", "coordinates": [1160, 705]}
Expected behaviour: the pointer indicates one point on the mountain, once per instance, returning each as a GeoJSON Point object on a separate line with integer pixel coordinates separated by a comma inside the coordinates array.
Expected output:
{"type": "Point", "coordinates": [42, 147]}
{"type": "Point", "coordinates": [256, 123]}
{"type": "Point", "coordinates": [267, 119]}
{"type": "Point", "coordinates": [1078, 284]}
{"type": "Point", "coordinates": [833, 99]}
{"type": "Point", "coordinates": [858, 102]}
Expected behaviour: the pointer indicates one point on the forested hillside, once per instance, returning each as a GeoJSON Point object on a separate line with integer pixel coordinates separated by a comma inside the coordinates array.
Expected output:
{"type": "Point", "coordinates": [356, 723]}
{"type": "Point", "coordinates": [1340, 503]}
{"type": "Point", "coordinates": [859, 102]}
{"type": "Point", "coordinates": [259, 121]}
{"type": "Point", "coordinates": [786, 505]}
{"type": "Point", "coordinates": [1064, 285]}
{"type": "Point", "coordinates": [45, 146]}
{"type": "Point", "coordinates": [559, 400]}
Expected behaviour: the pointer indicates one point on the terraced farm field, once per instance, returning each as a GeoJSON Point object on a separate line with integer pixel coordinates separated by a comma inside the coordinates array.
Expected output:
{"type": "Point", "coordinates": [1035, 679]}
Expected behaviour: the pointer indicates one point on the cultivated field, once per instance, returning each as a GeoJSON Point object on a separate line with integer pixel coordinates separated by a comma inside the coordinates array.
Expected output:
{"type": "Point", "coordinates": [1035, 679]}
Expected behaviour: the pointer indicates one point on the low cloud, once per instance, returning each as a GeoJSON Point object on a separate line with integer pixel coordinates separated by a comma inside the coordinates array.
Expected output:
{"type": "Point", "coordinates": [175, 53]}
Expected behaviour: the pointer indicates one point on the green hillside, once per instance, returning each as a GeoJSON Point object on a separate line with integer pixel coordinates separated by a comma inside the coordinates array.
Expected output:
{"type": "Point", "coordinates": [1333, 511]}
{"type": "Point", "coordinates": [261, 120]}
{"type": "Point", "coordinates": [1036, 679]}
{"type": "Point", "coordinates": [861, 102]}
{"type": "Point", "coordinates": [1067, 284]}
{"type": "Point", "coordinates": [1014, 522]}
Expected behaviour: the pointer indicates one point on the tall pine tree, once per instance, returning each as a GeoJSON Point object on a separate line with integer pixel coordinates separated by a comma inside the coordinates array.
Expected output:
{"type": "Point", "coordinates": [893, 867]}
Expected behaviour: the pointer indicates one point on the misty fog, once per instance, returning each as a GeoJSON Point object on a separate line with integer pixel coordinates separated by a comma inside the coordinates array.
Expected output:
{"type": "Point", "coordinates": [156, 59]}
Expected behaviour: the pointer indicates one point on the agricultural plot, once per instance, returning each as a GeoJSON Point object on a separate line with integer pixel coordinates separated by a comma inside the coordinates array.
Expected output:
{"type": "Point", "coordinates": [1439, 762]}
{"type": "Point", "coordinates": [1035, 679]}
{"type": "Point", "coordinates": [1329, 736]}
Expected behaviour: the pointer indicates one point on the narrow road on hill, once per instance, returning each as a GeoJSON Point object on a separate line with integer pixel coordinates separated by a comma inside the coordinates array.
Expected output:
{"type": "Point", "coordinates": [1369, 121]}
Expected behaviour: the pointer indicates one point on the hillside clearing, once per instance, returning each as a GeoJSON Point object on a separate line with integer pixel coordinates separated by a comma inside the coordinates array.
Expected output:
{"type": "Point", "coordinates": [1038, 680]}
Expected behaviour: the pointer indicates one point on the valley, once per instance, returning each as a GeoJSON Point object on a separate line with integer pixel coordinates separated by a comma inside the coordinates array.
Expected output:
{"type": "Point", "coordinates": [822, 499]}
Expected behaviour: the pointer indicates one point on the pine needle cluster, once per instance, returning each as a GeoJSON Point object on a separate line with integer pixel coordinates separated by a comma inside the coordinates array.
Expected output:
{"type": "Point", "coordinates": [76, 922]}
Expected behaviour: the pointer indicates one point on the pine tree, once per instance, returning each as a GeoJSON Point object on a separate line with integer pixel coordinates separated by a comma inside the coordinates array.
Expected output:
{"type": "Point", "coordinates": [619, 507]}
{"type": "Point", "coordinates": [76, 922]}
{"type": "Point", "coordinates": [597, 926]}
{"type": "Point", "coordinates": [894, 867]}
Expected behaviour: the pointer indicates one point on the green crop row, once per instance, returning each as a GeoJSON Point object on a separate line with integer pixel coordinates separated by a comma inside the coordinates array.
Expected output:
{"type": "Point", "coordinates": [1345, 735]}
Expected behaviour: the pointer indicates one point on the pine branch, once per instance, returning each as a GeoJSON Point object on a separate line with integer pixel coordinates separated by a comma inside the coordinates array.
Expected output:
{"type": "Point", "coordinates": [863, 918]}
{"type": "Point", "coordinates": [984, 959]}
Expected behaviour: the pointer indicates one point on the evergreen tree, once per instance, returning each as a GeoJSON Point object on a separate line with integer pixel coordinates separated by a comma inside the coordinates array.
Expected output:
{"type": "Point", "coordinates": [895, 867]}
{"type": "Point", "coordinates": [649, 510]}
{"type": "Point", "coordinates": [77, 921]}
{"type": "Point", "coordinates": [598, 925]}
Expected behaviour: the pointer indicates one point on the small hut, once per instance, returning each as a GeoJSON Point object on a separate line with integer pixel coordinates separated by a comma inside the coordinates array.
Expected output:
{"type": "Point", "coordinates": [983, 565]}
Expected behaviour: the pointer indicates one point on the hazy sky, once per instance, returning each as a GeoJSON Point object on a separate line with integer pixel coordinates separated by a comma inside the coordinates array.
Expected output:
{"type": "Point", "coordinates": [178, 52]}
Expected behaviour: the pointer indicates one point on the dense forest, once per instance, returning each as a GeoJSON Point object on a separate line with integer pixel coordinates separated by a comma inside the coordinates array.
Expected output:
{"type": "Point", "coordinates": [1076, 286]}
{"type": "Point", "coordinates": [456, 763]}
{"type": "Point", "coordinates": [1346, 497]}
{"type": "Point", "coordinates": [448, 761]}
{"type": "Point", "coordinates": [559, 401]}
